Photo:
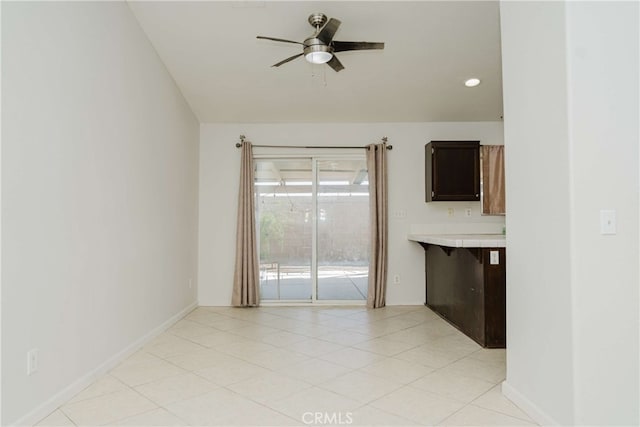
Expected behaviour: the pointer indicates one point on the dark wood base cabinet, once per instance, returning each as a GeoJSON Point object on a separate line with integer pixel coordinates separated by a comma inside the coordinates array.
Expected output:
{"type": "Point", "coordinates": [468, 291]}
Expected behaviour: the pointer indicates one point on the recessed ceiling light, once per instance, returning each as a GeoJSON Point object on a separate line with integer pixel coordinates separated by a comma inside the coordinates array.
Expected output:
{"type": "Point", "coordinates": [472, 82]}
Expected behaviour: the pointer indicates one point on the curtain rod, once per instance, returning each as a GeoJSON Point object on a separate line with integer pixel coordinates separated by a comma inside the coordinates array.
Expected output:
{"type": "Point", "coordinates": [242, 139]}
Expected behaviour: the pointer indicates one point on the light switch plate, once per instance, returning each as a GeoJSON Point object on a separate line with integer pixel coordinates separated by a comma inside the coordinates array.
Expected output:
{"type": "Point", "coordinates": [607, 221]}
{"type": "Point", "coordinates": [494, 257]}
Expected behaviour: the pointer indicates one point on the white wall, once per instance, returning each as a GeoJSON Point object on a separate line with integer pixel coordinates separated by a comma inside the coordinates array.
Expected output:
{"type": "Point", "coordinates": [219, 176]}
{"type": "Point", "coordinates": [603, 51]}
{"type": "Point", "coordinates": [539, 322]}
{"type": "Point", "coordinates": [570, 79]}
{"type": "Point", "coordinates": [1, 97]}
{"type": "Point", "coordinates": [99, 195]}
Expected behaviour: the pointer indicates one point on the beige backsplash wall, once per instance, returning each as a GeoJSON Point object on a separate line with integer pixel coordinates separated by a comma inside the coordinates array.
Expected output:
{"type": "Point", "coordinates": [459, 227]}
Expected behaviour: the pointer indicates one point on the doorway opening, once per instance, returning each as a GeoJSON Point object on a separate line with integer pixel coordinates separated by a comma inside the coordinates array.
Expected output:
{"type": "Point", "coordinates": [312, 223]}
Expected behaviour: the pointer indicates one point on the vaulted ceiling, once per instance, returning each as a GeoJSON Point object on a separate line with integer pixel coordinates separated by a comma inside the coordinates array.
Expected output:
{"type": "Point", "coordinates": [431, 48]}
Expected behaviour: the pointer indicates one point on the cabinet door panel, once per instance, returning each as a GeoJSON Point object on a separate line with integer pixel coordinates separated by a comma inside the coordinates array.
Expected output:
{"type": "Point", "coordinates": [452, 171]}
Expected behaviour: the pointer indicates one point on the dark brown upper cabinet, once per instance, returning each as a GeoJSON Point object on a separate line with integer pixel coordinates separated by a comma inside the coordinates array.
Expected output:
{"type": "Point", "coordinates": [452, 171]}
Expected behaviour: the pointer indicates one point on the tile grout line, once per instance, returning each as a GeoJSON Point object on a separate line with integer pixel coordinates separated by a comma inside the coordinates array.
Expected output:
{"type": "Point", "coordinates": [330, 324]}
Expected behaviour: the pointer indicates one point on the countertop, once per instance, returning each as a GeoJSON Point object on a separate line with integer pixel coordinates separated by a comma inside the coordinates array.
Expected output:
{"type": "Point", "coordinates": [461, 240]}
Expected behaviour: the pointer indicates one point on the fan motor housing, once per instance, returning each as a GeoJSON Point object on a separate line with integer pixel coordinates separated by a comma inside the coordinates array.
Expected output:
{"type": "Point", "coordinates": [313, 44]}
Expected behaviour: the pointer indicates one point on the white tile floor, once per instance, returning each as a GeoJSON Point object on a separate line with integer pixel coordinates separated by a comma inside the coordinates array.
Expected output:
{"type": "Point", "coordinates": [274, 366]}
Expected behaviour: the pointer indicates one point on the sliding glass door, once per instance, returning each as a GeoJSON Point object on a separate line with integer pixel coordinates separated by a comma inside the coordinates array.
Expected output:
{"type": "Point", "coordinates": [343, 230]}
{"type": "Point", "coordinates": [284, 222]}
{"type": "Point", "coordinates": [312, 219]}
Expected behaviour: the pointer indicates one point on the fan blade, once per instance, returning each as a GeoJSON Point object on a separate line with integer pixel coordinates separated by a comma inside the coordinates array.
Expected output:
{"type": "Point", "coordinates": [291, 58]}
{"type": "Point", "coordinates": [328, 31]}
{"type": "Point", "coordinates": [335, 64]}
{"type": "Point", "coordinates": [344, 46]}
{"type": "Point", "coordinates": [278, 40]}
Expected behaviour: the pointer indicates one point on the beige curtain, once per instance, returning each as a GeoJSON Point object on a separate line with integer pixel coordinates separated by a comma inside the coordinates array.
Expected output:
{"type": "Point", "coordinates": [493, 202]}
{"type": "Point", "coordinates": [246, 276]}
{"type": "Point", "coordinates": [377, 165]}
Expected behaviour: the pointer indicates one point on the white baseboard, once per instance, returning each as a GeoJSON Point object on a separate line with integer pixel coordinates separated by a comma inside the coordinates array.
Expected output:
{"type": "Point", "coordinates": [529, 408]}
{"type": "Point", "coordinates": [83, 382]}
{"type": "Point", "coordinates": [355, 303]}
{"type": "Point", "coordinates": [323, 303]}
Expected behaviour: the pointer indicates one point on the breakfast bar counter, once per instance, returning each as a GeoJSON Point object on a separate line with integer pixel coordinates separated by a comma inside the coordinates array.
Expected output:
{"type": "Point", "coordinates": [461, 240]}
{"type": "Point", "coordinates": [465, 283]}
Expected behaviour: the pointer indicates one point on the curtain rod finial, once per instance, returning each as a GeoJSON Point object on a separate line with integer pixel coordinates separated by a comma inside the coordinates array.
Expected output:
{"type": "Point", "coordinates": [242, 138]}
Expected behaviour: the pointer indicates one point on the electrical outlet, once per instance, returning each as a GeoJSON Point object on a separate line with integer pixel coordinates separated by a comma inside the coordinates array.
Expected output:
{"type": "Point", "coordinates": [396, 279]}
{"type": "Point", "coordinates": [467, 212]}
{"type": "Point", "coordinates": [450, 212]}
{"type": "Point", "coordinates": [494, 257]}
{"type": "Point", "coordinates": [32, 361]}
{"type": "Point", "coordinates": [190, 283]}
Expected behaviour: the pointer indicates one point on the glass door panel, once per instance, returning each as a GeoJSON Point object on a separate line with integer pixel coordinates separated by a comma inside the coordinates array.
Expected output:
{"type": "Point", "coordinates": [284, 225]}
{"type": "Point", "coordinates": [343, 229]}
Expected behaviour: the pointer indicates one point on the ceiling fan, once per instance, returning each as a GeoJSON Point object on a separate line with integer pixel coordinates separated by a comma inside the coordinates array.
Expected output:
{"type": "Point", "coordinates": [320, 47]}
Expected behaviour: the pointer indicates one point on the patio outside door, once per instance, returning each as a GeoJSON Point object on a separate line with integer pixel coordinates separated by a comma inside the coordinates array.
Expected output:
{"type": "Point", "coordinates": [312, 219]}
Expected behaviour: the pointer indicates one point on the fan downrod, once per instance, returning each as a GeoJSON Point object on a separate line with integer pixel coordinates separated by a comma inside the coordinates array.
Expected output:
{"type": "Point", "coordinates": [317, 20]}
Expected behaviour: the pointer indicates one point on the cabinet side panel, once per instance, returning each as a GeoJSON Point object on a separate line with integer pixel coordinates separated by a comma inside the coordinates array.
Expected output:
{"type": "Point", "coordinates": [428, 173]}
{"type": "Point", "coordinates": [495, 299]}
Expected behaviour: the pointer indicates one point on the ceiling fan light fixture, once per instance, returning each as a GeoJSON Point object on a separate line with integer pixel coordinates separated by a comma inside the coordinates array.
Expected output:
{"type": "Point", "coordinates": [318, 57]}
{"type": "Point", "coordinates": [316, 52]}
